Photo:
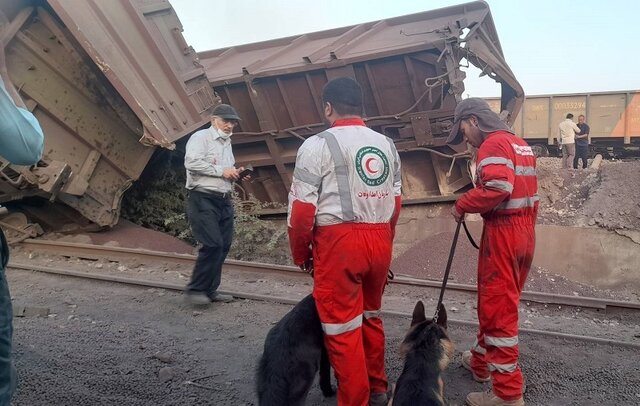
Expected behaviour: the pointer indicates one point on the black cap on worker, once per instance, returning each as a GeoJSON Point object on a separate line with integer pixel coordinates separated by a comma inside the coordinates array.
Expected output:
{"type": "Point", "coordinates": [225, 111]}
{"type": "Point", "coordinates": [488, 120]}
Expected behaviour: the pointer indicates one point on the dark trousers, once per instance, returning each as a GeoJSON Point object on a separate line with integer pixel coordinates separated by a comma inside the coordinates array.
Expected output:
{"type": "Point", "coordinates": [8, 376]}
{"type": "Point", "coordinates": [582, 152]}
{"type": "Point", "coordinates": [7, 371]}
{"type": "Point", "coordinates": [211, 220]}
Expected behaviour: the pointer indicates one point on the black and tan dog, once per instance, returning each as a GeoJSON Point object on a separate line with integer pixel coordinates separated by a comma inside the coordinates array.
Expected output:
{"type": "Point", "coordinates": [427, 351]}
{"type": "Point", "coordinates": [294, 351]}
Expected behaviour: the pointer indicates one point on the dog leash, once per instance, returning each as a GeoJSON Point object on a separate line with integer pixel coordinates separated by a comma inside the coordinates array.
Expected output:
{"type": "Point", "coordinates": [448, 269]}
{"type": "Point", "coordinates": [450, 260]}
{"type": "Point", "coordinates": [466, 230]}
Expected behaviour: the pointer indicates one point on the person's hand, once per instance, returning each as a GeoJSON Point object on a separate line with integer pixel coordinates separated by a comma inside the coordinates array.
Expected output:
{"type": "Point", "coordinates": [307, 266]}
{"type": "Point", "coordinates": [231, 173]}
{"type": "Point", "coordinates": [245, 177]}
{"type": "Point", "coordinates": [456, 215]}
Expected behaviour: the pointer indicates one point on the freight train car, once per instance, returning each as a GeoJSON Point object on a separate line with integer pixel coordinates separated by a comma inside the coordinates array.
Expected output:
{"type": "Point", "coordinates": [108, 81]}
{"type": "Point", "coordinates": [614, 119]}
{"type": "Point", "coordinates": [410, 71]}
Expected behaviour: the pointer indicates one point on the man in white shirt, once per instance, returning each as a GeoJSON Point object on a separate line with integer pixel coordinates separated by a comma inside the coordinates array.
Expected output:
{"type": "Point", "coordinates": [211, 172]}
{"type": "Point", "coordinates": [567, 131]}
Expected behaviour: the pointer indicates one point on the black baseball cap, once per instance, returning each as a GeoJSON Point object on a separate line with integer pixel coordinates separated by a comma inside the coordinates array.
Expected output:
{"type": "Point", "coordinates": [225, 111]}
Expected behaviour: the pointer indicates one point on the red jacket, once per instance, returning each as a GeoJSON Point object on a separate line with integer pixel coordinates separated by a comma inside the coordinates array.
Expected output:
{"type": "Point", "coordinates": [506, 180]}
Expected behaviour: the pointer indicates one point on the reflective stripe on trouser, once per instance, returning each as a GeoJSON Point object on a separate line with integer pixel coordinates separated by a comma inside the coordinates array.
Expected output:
{"type": "Point", "coordinates": [350, 271]}
{"type": "Point", "coordinates": [506, 252]}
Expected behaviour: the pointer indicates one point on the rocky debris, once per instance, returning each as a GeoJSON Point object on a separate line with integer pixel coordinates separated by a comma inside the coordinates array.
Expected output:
{"type": "Point", "coordinates": [30, 311]}
{"type": "Point", "coordinates": [562, 192]}
{"type": "Point", "coordinates": [165, 374]}
{"type": "Point", "coordinates": [165, 357]}
{"type": "Point", "coordinates": [607, 197]}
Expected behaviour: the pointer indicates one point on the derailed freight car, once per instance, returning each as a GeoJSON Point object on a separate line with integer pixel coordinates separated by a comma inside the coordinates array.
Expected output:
{"type": "Point", "coordinates": [613, 117]}
{"type": "Point", "coordinates": [108, 81]}
{"type": "Point", "coordinates": [410, 69]}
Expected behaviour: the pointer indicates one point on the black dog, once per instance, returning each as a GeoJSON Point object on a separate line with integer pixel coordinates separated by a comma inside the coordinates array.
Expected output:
{"type": "Point", "coordinates": [427, 351]}
{"type": "Point", "coordinates": [293, 352]}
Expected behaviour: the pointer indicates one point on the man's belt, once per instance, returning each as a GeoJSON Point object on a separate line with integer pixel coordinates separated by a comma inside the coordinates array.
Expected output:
{"type": "Point", "coordinates": [222, 195]}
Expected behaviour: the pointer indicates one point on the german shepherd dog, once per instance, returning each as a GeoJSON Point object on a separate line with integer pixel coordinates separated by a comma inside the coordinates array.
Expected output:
{"type": "Point", "coordinates": [294, 351]}
{"type": "Point", "coordinates": [427, 351]}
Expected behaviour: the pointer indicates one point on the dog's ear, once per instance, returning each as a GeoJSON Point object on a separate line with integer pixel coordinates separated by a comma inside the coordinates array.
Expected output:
{"type": "Point", "coordinates": [418, 314]}
{"type": "Point", "coordinates": [442, 317]}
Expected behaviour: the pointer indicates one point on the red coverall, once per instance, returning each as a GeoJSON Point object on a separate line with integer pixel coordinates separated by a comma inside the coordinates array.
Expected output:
{"type": "Point", "coordinates": [506, 197]}
{"type": "Point", "coordinates": [343, 207]}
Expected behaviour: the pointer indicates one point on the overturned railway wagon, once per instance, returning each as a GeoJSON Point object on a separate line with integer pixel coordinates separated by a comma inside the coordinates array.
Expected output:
{"type": "Point", "coordinates": [410, 71]}
{"type": "Point", "coordinates": [108, 81]}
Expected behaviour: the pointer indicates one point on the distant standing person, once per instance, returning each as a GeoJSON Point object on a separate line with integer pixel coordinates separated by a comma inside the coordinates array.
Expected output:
{"type": "Point", "coordinates": [566, 135]}
{"type": "Point", "coordinates": [210, 175]}
{"type": "Point", "coordinates": [21, 143]}
{"type": "Point", "coordinates": [582, 143]}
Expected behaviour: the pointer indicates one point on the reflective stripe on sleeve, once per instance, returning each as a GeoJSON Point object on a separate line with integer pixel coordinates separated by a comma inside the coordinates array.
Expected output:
{"type": "Point", "coordinates": [500, 184]}
{"type": "Point", "coordinates": [503, 368]}
{"type": "Point", "coordinates": [342, 176]}
{"type": "Point", "coordinates": [369, 314]}
{"type": "Point", "coordinates": [333, 329]}
{"type": "Point", "coordinates": [501, 341]}
{"type": "Point", "coordinates": [519, 203]}
{"type": "Point", "coordinates": [307, 177]}
{"type": "Point", "coordinates": [495, 160]}
{"type": "Point", "coordinates": [525, 171]}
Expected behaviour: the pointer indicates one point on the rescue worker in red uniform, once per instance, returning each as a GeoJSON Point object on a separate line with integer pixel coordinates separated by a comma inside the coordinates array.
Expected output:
{"type": "Point", "coordinates": [343, 206]}
{"type": "Point", "coordinates": [506, 196]}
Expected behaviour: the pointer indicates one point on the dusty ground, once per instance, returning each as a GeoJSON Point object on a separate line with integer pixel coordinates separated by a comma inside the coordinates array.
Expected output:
{"type": "Point", "coordinates": [108, 344]}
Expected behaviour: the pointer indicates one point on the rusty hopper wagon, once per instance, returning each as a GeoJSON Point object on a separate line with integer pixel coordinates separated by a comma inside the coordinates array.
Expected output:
{"type": "Point", "coordinates": [108, 81]}
{"type": "Point", "coordinates": [410, 71]}
{"type": "Point", "coordinates": [614, 119]}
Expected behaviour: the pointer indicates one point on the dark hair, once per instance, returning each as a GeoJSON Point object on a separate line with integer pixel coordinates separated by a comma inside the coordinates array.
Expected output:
{"type": "Point", "coordinates": [344, 95]}
{"type": "Point", "coordinates": [569, 115]}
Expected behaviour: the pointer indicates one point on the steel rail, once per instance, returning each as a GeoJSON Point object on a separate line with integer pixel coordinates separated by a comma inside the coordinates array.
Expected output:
{"type": "Point", "coordinates": [289, 301]}
{"type": "Point", "coordinates": [91, 251]}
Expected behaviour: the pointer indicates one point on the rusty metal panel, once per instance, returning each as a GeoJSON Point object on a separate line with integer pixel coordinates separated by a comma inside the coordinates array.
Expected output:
{"type": "Point", "coordinates": [409, 69]}
{"type": "Point", "coordinates": [536, 118]}
{"type": "Point", "coordinates": [604, 114]}
{"type": "Point", "coordinates": [562, 105]}
{"type": "Point", "coordinates": [92, 104]}
{"type": "Point", "coordinates": [629, 125]}
{"type": "Point", "coordinates": [138, 46]}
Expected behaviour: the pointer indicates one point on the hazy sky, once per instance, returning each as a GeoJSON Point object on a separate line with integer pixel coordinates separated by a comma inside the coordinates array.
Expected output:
{"type": "Point", "coordinates": [552, 47]}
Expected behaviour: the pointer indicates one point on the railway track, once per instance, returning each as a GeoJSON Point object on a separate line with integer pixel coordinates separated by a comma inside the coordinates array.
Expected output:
{"type": "Point", "coordinates": [94, 252]}
{"type": "Point", "coordinates": [286, 300]}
